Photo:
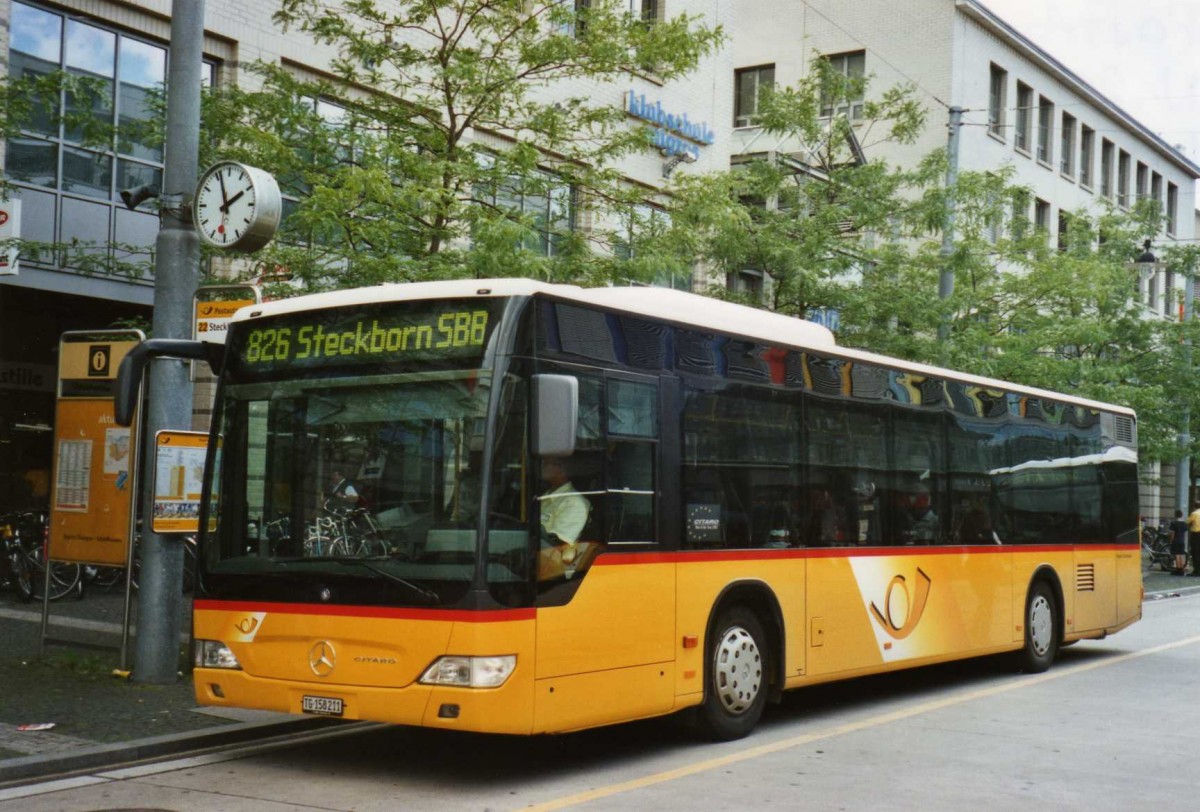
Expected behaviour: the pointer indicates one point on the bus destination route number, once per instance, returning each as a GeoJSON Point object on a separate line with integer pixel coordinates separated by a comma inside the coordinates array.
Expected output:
{"type": "Point", "coordinates": [366, 339]}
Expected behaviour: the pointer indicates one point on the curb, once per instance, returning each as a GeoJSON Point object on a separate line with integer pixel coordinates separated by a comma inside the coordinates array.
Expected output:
{"type": "Point", "coordinates": [25, 769]}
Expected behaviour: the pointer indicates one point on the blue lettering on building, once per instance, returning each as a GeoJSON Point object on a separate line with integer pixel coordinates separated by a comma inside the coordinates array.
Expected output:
{"type": "Point", "coordinates": [671, 133]}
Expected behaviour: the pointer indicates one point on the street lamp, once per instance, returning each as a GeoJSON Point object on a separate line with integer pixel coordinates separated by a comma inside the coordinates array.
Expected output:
{"type": "Point", "coordinates": [1147, 265]}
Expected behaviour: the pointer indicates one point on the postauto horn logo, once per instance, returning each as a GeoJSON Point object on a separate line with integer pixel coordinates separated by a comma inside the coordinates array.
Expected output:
{"type": "Point", "coordinates": [902, 612]}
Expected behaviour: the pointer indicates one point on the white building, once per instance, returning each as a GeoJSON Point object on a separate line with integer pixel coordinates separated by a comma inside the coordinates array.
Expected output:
{"type": "Point", "coordinates": [1023, 108]}
{"type": "Point", "coordinates": [1066, 141]}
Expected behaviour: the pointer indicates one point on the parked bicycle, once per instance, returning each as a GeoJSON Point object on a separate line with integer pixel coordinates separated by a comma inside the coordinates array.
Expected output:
{"type": "Point", "coordinates": [15, 570]}
{"type": "Point", "coordinates": [344, 532]}
{"type": "Point", "coordinates": [26, 537]}
{"type": "Point", "coordinates": [108, 577]}
{"type": "Point", "coordinates": [1156, 541]}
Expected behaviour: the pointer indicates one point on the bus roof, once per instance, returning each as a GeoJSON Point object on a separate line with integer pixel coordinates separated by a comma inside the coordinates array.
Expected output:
{"type": "Point", "coordinates": [664, 304]}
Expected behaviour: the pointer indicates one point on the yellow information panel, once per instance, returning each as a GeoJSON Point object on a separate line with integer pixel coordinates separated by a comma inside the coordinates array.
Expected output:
{"type": "Point", "coordinates": [178, 478]}
{"type": "Point", "coordinates": [92, 497]}
{"type": "Point", "coordinates": [213, 317]}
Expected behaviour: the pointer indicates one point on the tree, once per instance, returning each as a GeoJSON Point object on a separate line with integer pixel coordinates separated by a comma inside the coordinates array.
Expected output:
{"type": "Point", "coordinates": [458, 138]}
{"type": "Point", "coordinates": [833, 230]}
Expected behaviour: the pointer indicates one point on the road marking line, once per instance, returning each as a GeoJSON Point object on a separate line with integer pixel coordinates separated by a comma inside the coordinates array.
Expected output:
{"type": "Point", "coordinates": [841, 730]}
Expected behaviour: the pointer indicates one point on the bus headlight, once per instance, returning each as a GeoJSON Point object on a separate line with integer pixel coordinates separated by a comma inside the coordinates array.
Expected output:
{"type": "Point", "coordinates": [214, 654]}
{"type": "Point", "coordinates": [470, 672]}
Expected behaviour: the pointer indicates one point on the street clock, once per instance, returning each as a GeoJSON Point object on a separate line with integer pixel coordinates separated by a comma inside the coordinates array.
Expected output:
{"type": "Point", "coordinates": [237, 206]}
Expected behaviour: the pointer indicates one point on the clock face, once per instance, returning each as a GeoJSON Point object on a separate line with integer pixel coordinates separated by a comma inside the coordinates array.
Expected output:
{"type": "Point", "coordinates": [237, 206]}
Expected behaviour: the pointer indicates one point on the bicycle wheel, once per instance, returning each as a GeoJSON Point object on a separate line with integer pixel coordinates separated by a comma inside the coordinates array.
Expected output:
{"type": "Point", "coordinates": [22, 576]}
{"type": "Point", "coordinates": [371, 546]}
{"type": "Point", "coordinates": [64, 578]}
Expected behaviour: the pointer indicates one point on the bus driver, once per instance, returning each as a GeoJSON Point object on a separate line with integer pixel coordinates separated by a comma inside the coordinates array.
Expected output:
{"type": "Point", "coordinates": [564, 511]}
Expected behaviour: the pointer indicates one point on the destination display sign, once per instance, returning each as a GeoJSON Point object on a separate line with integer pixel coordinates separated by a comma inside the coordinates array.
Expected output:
{"type": "Point", "coordinates": [369, 334]}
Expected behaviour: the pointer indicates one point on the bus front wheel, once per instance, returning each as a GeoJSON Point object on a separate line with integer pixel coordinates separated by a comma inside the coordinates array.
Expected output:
{"type": "Point", "coordinates": [736, 673]}
{"type": "Point", "coordinates": [1041, 629]}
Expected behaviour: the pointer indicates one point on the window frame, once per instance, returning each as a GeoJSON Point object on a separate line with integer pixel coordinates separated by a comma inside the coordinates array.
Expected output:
{"type": "Point", "coordinates": [1123, 165]}
{"type": "Point", "coordinates": [126, 167]}
{"type": "Point", "coordinates": [742, 117]}
{"type": "Point", "coordinates": [843, 63]}
{"type": "Point", "coordinates": [1021, 132]}
{"type": "Point", "coordinates": [1087, 156]}
{"type": "Point", "coordinates": [1066, 158]}
{"type": "Point", "coordinates": [997, 100]}
{"type": "Point", "coordinates": [1045, 132]}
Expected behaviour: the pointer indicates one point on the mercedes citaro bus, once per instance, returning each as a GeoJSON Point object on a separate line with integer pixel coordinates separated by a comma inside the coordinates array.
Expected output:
{"type": "Point", "coordinates": [757, 509]}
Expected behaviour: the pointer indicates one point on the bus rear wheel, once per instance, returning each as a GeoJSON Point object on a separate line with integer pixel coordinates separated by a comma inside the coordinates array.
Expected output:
{"type": "Point", "coordinates": [1041, 629]}
{"type": "Point", "coordinates": [736, 674]}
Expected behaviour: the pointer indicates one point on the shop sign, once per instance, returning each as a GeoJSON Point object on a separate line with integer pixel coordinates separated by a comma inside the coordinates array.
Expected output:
{"type": "Point", "coordinates": [10, 231]}
{"type": "Point", "coordinates": [672, 133]}
{"type": "Point", "coordinates": [26, 377]}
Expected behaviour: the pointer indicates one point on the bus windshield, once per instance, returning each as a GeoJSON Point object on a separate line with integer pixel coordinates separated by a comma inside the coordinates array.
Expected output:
{"type": "Point", "coordinates": [350, 454]}
{"type": "Point", "coordinates": [368, 487]}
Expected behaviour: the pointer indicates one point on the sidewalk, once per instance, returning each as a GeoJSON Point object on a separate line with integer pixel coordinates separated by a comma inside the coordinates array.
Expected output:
{"type": "Point", "coordinates": [101, 720]}
{"type": "Point", "coordinates": [97, 717]}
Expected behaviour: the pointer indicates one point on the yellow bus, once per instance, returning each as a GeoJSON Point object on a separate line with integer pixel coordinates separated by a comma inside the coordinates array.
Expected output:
{"type": "Point", "coordinates": [517, 507]}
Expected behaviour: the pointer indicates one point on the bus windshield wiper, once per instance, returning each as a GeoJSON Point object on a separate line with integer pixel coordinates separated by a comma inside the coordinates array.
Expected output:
{"type": "Point", "coordinates": [431, 597]}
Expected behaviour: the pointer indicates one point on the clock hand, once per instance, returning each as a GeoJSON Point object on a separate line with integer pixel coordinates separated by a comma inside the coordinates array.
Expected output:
{"type": "Point", "coordinates": [224, 197]}
{"type": "Point", "coordinates": [231, 201]}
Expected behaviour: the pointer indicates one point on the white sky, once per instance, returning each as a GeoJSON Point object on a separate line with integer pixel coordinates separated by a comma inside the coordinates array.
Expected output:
{"type": "Point", "coordinates": [1144, 55]}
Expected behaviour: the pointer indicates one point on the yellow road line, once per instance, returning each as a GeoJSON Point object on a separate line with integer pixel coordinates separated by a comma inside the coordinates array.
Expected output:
{"type": "Point", "coordinates": [841, 730]}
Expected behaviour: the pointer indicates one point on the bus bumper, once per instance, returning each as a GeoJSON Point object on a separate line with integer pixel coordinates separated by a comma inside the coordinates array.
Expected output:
{"type": "Point", "coordinates": [507, 709]}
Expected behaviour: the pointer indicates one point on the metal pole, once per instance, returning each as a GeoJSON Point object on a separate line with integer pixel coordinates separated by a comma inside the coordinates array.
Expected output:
{"type": "Point", "coordinates": [1183, 473]}
{"type": "Point", "coordinates": [169, 399]}
{"type": "Point", "coordinates": [135, 471]}
{"type": "Point", "coordinates": [946, 280]}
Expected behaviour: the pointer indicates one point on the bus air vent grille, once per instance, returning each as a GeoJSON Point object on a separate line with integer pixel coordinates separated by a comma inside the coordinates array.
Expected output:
{"type": "Point", "coordinates": [1125, 432]}
{"type": "Point", "coordinates": [1085, 578]}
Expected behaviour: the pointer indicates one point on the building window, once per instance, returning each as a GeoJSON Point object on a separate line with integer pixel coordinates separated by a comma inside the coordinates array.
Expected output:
{"type": "Point", "coordinates": [749, 84]}
{"type": "Point", "coordinates": [651, 10]}
{"type": "Point", "coordinates": [997, 100]}
{"type": "Point", "coordinates": [1142, 185]}
{"type": "Point", "coordinates": [1064, 230]}
{"type": "Point", "coordinates": [1041, 214]}
{"type": "Point", "coordinates": [70, 186]}
{"type": "Point", "coordinates": [641, 222]}
{"type": "Point", "coordinates": [1156, 189]}
{"type": "Point", "coordinates": [1024, 116]}
{"type": "Point", "coordinates": [748, 283]}
{"type": "Point", "coordinates": [852, 66]}
{"type": "Point", "coordinates": [1123, 179]}
{"type": "Point", "coordinates": [1172, 208]}
{"type": "Point", "coordinates": [1087, 145]}
{"type": "Point", "coordinates": [1020, 214]}
{"type": "Point", "coordinates": [1106, 168]}
{"type": "Point", "coordinates": [1045, 151]}
{"type": "Point", "coordinates": [1067, 146]}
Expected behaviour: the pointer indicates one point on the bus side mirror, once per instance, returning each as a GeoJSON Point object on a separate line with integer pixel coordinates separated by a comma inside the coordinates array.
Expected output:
{"type": "Point", "coordinates": [555, 414]}
{"type": "Point", "coordinates": [133, 366]}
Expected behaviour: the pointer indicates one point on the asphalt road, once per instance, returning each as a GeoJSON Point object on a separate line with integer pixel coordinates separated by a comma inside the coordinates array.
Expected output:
{"type": "Point", "coordinates": [1114, 725]}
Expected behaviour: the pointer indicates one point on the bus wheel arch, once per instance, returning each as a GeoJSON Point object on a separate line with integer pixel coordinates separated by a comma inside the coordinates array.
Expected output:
{"type": "Point", "coordinates": [1042, 621]}
{"type": "Point", "coordinates": [743, 655]}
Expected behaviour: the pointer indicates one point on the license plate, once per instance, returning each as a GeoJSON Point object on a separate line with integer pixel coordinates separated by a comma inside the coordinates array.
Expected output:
{"type": "Point", "coordinates": [321, 705]}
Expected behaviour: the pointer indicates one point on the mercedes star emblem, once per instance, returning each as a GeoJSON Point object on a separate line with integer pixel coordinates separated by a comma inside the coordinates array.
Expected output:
{"type": "Point", "coordinates": [322, 658]}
